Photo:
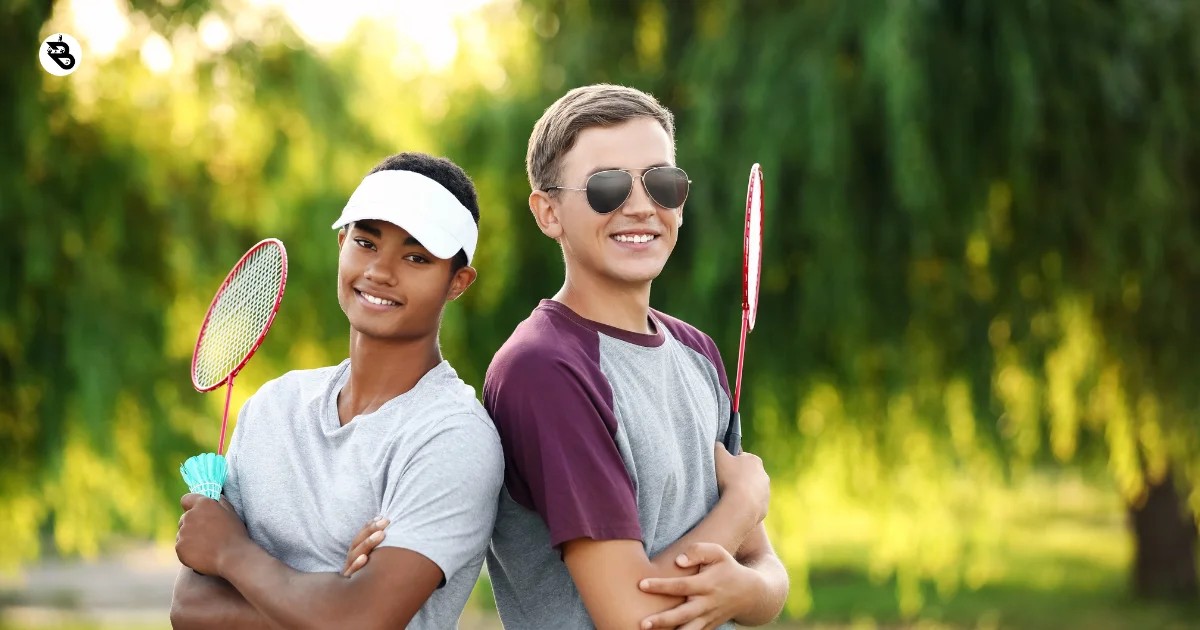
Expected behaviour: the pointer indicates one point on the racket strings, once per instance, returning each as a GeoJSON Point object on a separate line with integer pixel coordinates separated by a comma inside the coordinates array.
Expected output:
{"type": "Point", "coordinates": [240, 315]}
{"type": "Point", "coordinates": [753, 253]}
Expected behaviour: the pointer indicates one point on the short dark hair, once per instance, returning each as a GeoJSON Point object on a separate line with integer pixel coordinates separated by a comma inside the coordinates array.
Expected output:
{"type": "Point", "coordinates": [599, 105]}
{"type": "Point", "coordinates": [443, 171]}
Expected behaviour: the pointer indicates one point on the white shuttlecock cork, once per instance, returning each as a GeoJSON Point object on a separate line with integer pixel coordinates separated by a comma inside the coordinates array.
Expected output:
{"type": "Point", "coordinates": [205, 474]}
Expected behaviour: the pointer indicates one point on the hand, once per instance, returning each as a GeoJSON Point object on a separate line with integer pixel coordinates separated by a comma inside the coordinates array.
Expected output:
{"type": "Point", "coordinates": [721, 591]}
{"type": "Point", "coordinates": [744, 474]}
{"type": "Point", "coordinates": [364, 542]}
{"type": "Point", "coordinates": [209, 534]}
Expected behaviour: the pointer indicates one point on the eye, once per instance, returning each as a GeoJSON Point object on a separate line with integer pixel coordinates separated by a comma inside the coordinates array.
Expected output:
{"type": "Point", "coordinates": [417, 258]}
{"type": "Point", "coordinates": [362, 242]}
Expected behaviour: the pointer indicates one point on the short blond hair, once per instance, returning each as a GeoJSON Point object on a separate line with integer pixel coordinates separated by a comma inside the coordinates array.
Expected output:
{"type": "Point", "coordinates": [600, 105]}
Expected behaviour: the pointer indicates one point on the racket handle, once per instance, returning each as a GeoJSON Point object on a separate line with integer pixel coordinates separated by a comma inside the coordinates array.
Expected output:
{"type": "Point", "coordinates": [733, 437]}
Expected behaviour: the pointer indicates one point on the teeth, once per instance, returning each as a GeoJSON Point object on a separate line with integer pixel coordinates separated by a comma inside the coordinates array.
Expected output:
{"type": "Point", "coordinates": [634, 238]}
{"type": "Point", "coordinates": [380, 301]}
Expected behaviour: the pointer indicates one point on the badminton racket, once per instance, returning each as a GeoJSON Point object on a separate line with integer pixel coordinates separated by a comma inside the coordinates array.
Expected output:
{"type": "Point", "coordinates": [234, 327]}
{"type": "Point", "coordinates": [751, 269]}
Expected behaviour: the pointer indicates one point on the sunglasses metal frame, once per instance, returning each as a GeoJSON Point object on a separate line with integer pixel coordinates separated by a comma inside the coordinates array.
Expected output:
{"type": "Point", "coordinates": [633, 177]}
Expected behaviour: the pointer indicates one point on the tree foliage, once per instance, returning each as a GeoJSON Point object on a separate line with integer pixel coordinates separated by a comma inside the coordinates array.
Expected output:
{"type": "Point", "coordinates": [981, 236]}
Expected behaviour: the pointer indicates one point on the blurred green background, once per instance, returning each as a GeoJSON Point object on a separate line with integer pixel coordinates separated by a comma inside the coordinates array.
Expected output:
{"type": "Point", "coordinates": [973, 378]}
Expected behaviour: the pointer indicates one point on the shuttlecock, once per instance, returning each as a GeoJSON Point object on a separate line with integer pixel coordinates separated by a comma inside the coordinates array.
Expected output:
{"type": "Point", "coordinates": [205, 474]}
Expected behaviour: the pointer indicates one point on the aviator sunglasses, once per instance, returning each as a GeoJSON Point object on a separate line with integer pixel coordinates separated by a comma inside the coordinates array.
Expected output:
{"type": "Point", "coordinates": [606, 191]}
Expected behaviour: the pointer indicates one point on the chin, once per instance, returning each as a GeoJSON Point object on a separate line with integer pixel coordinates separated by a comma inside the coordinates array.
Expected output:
{"type": "Point", "coordinates": [637, 273]}
{"type": "Point", "coordinates": [372, 327]}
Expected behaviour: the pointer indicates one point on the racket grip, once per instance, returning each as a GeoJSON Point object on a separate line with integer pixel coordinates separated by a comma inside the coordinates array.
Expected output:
{"type": "Point", "coordinates": [733, 437]}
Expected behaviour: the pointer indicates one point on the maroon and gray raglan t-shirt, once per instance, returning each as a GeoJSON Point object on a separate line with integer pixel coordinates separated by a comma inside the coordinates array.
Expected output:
{"type": "Point", "coordinates": [607, 434]}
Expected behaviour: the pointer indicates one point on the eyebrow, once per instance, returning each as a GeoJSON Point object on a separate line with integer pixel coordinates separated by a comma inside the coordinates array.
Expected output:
{"type": "Point", "coordinates": [614, 168]}
{"type": "Point", "coordinates": [368, 229]}
{"type": "Point", "coordinates": [377, 233]}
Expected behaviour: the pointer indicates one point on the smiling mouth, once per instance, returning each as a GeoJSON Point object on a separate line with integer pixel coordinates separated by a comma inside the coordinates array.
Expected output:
{"type": "Point", "coordinates": [377, 301]}
{"type": "Point", "coordinates": [634, 238]}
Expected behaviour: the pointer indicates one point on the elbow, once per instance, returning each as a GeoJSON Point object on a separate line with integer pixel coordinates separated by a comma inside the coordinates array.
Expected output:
{"type": "Point", "coordinates": [181, 617]}
{"type": "Point", "coordinates": [773, 589]}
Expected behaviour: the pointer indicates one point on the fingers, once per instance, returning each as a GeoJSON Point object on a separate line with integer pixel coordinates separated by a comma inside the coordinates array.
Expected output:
{"type": "Point", "coordinates": [680, 586]}
{"type": "Point", "coordinates": [367, 545]}
{"type": "Point", "coordinates": [677, 616]}
{"type": "Point", "coordinates": [359, 562]}
{"type": "Point", "coordinates": [370, 528]}
{"type": "Point", "coordinates": [358, 556]}
{"type": "Point", "coordinates": [190, 500]}
{"type": "Point", "coordinates": [721, 452]}
{"type": "Point", "coordinates": [368, 538]}
{"type": "Point", "coordinates": [701, 553]}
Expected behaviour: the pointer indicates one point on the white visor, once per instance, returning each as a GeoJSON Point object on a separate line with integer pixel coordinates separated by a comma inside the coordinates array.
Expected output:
{"type": "Point", "coordinates": [419, 206]}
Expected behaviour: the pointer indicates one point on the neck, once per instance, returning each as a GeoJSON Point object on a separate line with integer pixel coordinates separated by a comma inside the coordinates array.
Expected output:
{"type": "Point", "coordinates": [624, 306]}
{"type": "Point", "coordinates": [382, 369]}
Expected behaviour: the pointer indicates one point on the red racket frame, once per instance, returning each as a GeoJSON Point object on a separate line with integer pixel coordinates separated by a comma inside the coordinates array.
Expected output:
{"type": "Point", "coordinates": [228, 379]}
{"type": "Point", "coordinates": [747, 325]}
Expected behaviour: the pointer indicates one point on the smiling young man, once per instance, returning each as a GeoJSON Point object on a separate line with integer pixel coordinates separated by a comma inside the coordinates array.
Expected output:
{"type": "Point", "coordinates": [390, 432]}
{"type": "Point", "coordinates": [620, 507]}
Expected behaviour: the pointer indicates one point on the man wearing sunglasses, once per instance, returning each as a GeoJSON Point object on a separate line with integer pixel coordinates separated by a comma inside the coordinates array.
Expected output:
{"type": "Point", "coordinates": [621, 508]}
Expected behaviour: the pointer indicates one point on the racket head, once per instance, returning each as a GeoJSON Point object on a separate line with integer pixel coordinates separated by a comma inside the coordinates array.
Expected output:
{"type": "Point", "coordinates": [240, 315]}
{"type": "Point", "coordinates": [752, 247]}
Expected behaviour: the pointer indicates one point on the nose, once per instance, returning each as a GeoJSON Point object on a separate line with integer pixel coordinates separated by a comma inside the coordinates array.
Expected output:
{"type": "Point", "coordinates": [380, 272]}
{"type": "Point", "coordinates": [639, 205]}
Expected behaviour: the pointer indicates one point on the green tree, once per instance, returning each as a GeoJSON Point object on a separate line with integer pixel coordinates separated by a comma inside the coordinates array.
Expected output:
{"type": "Point", "coordinates": [979, 240]}
{"type": "Point", "coordinates": [125, 197]}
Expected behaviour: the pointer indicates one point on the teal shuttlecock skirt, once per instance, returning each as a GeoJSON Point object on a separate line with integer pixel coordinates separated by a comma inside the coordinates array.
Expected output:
{"type": "Point", "coordinates": [205, 474]}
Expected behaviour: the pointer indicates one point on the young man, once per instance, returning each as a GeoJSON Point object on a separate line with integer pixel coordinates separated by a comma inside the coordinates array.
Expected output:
{"type": "Point", "coordinates": [392, 431]}
{"type": "Point", "coordinates": [620, 507]}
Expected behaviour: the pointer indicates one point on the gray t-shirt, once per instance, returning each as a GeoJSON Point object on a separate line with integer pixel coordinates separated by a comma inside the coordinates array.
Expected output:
{"type": "Point", "coordinates": [608, 434]}
{"type": "Point", "coordinates": [430, 460]}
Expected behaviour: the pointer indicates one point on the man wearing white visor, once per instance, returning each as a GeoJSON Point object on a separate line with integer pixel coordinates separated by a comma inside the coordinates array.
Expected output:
{"type": "Point", "coordinates": [390, 437]}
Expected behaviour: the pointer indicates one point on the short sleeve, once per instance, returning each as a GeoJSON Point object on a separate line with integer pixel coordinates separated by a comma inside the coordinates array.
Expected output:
{"type": "Point", "coordinates": [555, 417]}
{"type": "Point", "coordinates": [442, 502]}
{"type": "Point", "coordinates": [232, 490]}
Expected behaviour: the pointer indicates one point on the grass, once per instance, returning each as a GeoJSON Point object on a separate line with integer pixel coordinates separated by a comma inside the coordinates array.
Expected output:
{"type": "Point", "coordinates": [848, 596]}
{"type": "Point", "coordinates": [1057, 558]}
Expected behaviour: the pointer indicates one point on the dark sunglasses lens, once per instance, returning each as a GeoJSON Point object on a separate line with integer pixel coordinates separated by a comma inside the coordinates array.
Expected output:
{"type": "Point", "coordinates": [668, 187]}
{"type": "Point", "coordinates": [607, 190]}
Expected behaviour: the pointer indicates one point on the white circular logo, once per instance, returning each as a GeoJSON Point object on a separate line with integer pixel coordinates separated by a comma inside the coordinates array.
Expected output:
{"type": "Point", "coordinates": [60, 54]}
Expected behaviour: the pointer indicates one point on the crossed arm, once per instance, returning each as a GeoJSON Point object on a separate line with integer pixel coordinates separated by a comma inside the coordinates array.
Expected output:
{"type": "Point", "coordinates": [728, 571]}
{"type": "Point", "coordinates": [202, 601]}
{"type": "Point", "coordinates": [244, 587]}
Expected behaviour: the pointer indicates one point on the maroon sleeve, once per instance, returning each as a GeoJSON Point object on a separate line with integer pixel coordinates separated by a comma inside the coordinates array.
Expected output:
{"type": "Point", "coordinates": [553, 409]}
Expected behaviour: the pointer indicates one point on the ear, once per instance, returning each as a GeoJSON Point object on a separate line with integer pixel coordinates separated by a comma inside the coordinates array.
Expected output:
{"type": "Point", "coordinates": [462, 280]}
{"type": "Point", "coordinates": [679, 218]}
{"type": "Point", "coordinates": [545, 213]}
{"type": "Point", "coordinates": [341, 237]}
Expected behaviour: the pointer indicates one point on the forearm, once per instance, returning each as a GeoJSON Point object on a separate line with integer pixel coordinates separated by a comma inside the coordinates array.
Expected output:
{"type": "Point", "coordinates": [771, 593]}
{"type": "Point", "coordinates": [726, 525]}
{"type": "Point", "coordinates": [293, 599]}
{"type": "Point", "coordinates": [201, 602]}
